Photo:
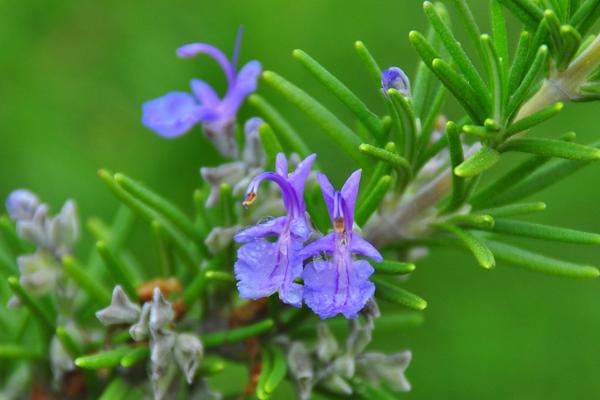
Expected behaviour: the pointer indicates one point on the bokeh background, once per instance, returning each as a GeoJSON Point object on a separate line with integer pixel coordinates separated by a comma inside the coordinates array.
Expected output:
{"type": "Point", "coordinates": [73, 76]}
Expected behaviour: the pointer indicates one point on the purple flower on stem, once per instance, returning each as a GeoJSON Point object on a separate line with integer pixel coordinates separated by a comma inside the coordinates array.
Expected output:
{"type": "Point", "coordinates": [395, 78]}
{"type": "Point", "coordinates": [265, 267]}
{"type": "Point", "coordinates": [339, 284]}
{"type": "Point", "coordinates": [175, 113]}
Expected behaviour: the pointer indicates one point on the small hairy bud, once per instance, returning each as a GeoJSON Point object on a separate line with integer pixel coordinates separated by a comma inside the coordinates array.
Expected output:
{"type": "Point", "coordinates": [21, 204]}
{"type": "Point", "coordinates": [120, 311]}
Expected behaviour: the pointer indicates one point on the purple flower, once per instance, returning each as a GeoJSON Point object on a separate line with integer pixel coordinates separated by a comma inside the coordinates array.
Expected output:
{"type": "Point", "coordinates": [175, 113]}
{"type": "Point", "coordinates": [395, 78]}
{"type": "Point", "coordinates": [339, 283]}
{"type": "Point", "coordinates": [264, 267]}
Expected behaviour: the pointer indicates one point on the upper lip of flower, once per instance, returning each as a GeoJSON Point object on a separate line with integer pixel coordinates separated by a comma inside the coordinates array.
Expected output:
{"type": "Point", "coordinates": [177, 112]}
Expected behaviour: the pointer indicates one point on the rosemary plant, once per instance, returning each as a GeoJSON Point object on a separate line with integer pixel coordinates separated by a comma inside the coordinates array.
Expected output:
{"type": "Point", "coordinates": [267, 279]}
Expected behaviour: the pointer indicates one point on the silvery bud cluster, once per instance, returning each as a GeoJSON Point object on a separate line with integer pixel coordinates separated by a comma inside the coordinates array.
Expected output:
{"type": "Point", "coordinates": [55, 234]}
{"type": "Point", "coordinates": [168, 348]}
{"type": "Point", "coordinates": [334, 367]}
{"type": "Point", "coordinates": [237, 174]}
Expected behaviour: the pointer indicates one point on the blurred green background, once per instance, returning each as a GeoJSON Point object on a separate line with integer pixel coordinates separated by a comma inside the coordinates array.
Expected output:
{"type": "Point", "coordinates": [75, 73]}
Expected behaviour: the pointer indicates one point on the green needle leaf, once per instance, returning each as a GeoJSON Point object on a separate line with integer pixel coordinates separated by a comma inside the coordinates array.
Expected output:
{"type": "Point", "coordinates": [531, 78]}
{"type": "Point", "coordinates": [480, 251]}
{"type": "Point", "coordinates": [325, 119]}
{"type": "Point", "coordinates": [134, 356]}
{"type": "Point", "coordinates": [406, 123]}
{"type": "Point", "coordinates": [341, 91]}
{"type": "Point", "coordinates": [456, 158]}
{"type": "Point", "coordinates": [72, 346]}
{"type": "Point", "coordinates": [8, 266]}
{"type": "Point", "coordinates": [162, 206]}
{"type": "Point", "coordinates": [87, 282]}
{"type": "Point", "coordinates": [393, 159]}
{"type": "Point", "coordinates": [526, 10]}
{"type": "Point", "coordinates": [483, 221]}
{"type": "Point", "coordinates": [117, 389]}
{"type": "Point", "coordinates": [34, 307]}
{"type": "Point", "coordinates": [265, 371]}
{"type": "Point", "coordinates": [519, 65]}
{"type": "Point", "coordinates": [393, 267]}
{"type": "Point", "coordinates": [515, 209]}
{"type": "Point", "coordinates": [549, 174]}
{"type": "Point", "coordinates": [105, 359]}
{"type": "Point", "coordinates": [195, 289]}
{"type": "Point", "coordinates": [280, 125]}
{"type": "Point", "coordinates": [468, 19]}
{"type": "Point", "coordinates": [478, 163]}
{"type": "Point", "coordinates": [394, 294]}
{"type": "Point", "coordinates": [571, 40]}
{"type": "Point", "coordinates": [373, 199]}
{"type": "Point", "coordinates": [500, 34]}
{"type": "Point", "coordinates": [172, 236]}
{"type": "Point", "coordinates": [552, 148]}
{"type": "Point", "coordinates": [540, 263]}
{"type": "Point", "coordinates": [278, 369]}
{"type": "Point", "coordinates": [17, 352]}
{"type": "Point", "coordinates": [237, 335]}
{"type": "Point", "coordinates": [271, 145]}
{"type": "Point", "coordinates": [16, 245]}
{"type": "Point", "coordinates": [539, 231]}
{"type": "Point", "coordinates": [118, 269]}
{"type": "Point", "coordinates": [585, 16]}
{"type": "Point", "coordinates": [461, 89]}
{"type": "Point", "coordinates": [457, 53]}
{"type": "Point", "coordinates": [219, 276]}
{"type": "Point", "coordinates": [534, 119]}
{"type": "Point", "coordinates": [369, 62]}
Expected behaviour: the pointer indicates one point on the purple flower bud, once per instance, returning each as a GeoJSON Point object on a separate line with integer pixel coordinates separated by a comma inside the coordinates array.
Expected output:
{"type": "Point", "coordinates": [253, 155]}
{"type": "Point", "coordinates": [176, 113]}
{"type": "Point", "coordinates": [21, 204]}
{"type": "Point", "coordinates": [395, 78]}
{"type": "Point", "coordinates": [265, 267]}
{"type": "Point", "coordinates": [339, 284]}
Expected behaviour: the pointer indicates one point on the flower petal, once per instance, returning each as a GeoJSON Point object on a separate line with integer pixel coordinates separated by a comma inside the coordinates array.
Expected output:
{"type": "Point", "coordinates": [326, 245]}
{"type": "Point", "coordinates": [264, 268]}
{"type": "Point", "coordinates": [328, 192]}
{"type": "Point", "coordinates": [193, 49]}
{"type": "Point", "coordinates": [361, 246]}
{"type": "Point", "coordinates": [272, 227]}
{"type": "Point", "coordinates": [257, 271]}
{"type": "Point", "coordinates": [300, 175]}
{"type": "Point", "coordinates": [337, 286]}
{"type": "Point", "coordinates": [281, 165]}
{"type": "Point", "coordinates": [244, 85]}
{"type": "Point", "coordinates": [205, 93]}
{"type": "Point", "coordinates": [171, 115]}
{"type": "Point", "coordinates": [349, 193]}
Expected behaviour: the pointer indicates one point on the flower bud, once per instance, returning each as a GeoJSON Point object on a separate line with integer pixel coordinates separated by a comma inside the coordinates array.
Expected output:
{"type": "Point", "coordinates": [139, 330]}
{"type": "Point", "coordinates": [327, 346]}
{"type": "Point", "coordinates": [253, 155]}
{"type": "Point", "coordinates": [161, 312]}
{"type": "Point", "coordinates": [188, 354]}
{"type": "Point", "coordinates": [380, 368]}
{"type": "Point", "coordinates": [38, 272]}
{"type": "Point", "coordinates": [301, 369]}
{"type": "Point", "coordinates": [64, 227]}
{"type": "Point", "coordinates": [120, 311]}
{"type": "Point", "coordinates": [21, 204]}
{"type": "Point", "coordinates": [229, 173]}
{"type": "Point", "coordinates": [337, 384]}
{"type": "Point", "coordinates": [395, 78]}
{"type": "Point", "coordinates": [219, 238]}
